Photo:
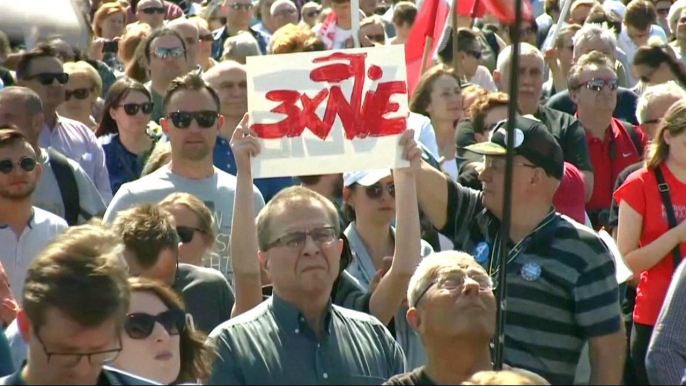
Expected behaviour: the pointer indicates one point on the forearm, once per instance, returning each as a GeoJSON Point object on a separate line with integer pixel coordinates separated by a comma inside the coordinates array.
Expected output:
{"type": "Point", "coordinates": [244, 260]}
{"type": "Point", "coordinates": [559, 78]}
{"type": "Point", "coordinates": [589, 182]}
{"type": "Point", "coordinates": [432, 194]}
{"type": "Point", "coordinates": [608, 359]}
{"type": "Point", "coordinates": [642, 259]}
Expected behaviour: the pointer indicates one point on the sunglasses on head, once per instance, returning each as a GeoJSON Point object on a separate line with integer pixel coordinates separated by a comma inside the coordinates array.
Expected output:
{"type": "Point", "coordinates": [132, 109]}
{"type": "Point", "coordinates": [186, 234]}
{"type": "Point", "coordinates": [152, 10]}
{"type": "Point", "coordinates": [183, 119]}
{"type": "Point", "coordinates": [26, 164]}
{"type": "Point", "coordinates": [140, 325]}
{"type": "Point", "coordinates": [47, 79]}
{"type": "Point", "coordinates": [79, 93]}
{"type": "Point", "coordinates": [238, 6]}
{"type": "Point", "coordinates": [375, 191]}
{"type": "Point", "coordinates": [164, 53]}
{"type": "Point", "coordinates": [598, 84]}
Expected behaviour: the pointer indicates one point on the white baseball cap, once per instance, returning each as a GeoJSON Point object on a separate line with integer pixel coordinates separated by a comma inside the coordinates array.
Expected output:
{"type": "Point", "coordinates": [616, 7]}
{"type": "Point", "coordinates": [365, 178]}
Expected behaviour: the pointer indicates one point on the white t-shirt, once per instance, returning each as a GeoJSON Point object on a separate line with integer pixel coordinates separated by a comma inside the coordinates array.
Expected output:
{"type": "Point", "coordinates": [340, 36]}
{"type": "Point", "coordinates": [216, 191]}
{"type": "Point", "coordinates": [482, 77]}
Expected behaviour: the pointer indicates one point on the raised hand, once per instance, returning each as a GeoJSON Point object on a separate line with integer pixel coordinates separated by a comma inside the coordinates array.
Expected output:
{"type": "Point", "coordinates": [244, 144]}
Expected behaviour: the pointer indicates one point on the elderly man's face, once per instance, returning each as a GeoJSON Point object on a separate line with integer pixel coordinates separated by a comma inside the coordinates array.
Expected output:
{"type": "Point", "coordinates": [283, 14]}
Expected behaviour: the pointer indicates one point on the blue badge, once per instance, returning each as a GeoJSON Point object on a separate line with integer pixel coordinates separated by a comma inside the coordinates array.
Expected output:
{"type": "Point", "coordinates": [482, 252]}
{"type": "Point", "coordinates": [531, 271]}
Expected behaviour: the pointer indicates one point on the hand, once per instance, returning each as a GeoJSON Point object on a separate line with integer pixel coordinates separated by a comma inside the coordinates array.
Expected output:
{"type": "Point", "coordinates": [682, 231]}
{"type": "Point", "coordinates": [376, 280]}
{"type": "Point", "coordinates": [95, 51]}
{"type": "Point", "coordinates": [8, 305]}
{"type": "Point", "coordinates": [552, 57]}
{"type": "Point", "coordinates": [244, 144]}
{"type": "Point", "coordinates": [411, 152]}
{"type": "Point", "coordinates": [364, 41]}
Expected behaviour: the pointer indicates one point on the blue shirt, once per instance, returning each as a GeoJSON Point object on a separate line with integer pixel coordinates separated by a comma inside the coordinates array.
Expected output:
{"type": "Point", "coordinates": [122, 165]}
{"type": "Point", "coordinates": [224, 160]}
{"type": "Point", "coordinates": [6, 365]}
{"type": "Point", "coordinates": [222, 34]}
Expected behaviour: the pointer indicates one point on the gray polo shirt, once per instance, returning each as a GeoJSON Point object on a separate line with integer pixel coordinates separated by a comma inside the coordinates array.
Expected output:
{"type": "Point", "coordinates": [273, 344]}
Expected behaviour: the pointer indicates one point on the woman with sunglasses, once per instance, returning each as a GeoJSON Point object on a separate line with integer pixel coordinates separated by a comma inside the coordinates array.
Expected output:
{"type": "Point", "coordinates": [195, 227]}
{"type": "Point", "coordinates": [81, 91]}
{"type": "Point", "coordinates": [159, 341]}
{"type": "Point", "coordinates": [656, 63]}
{"type": "Point", "coordinates": [439, 96]}
{"type": "Point", "coordinates": [370, 205]}
{"type": "Point", "coordinates": [125, 131]}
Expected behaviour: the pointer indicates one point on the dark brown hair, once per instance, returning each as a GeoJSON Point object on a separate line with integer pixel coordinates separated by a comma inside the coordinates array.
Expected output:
{"type": "Point", "coordinates": [147, 230]}
{"type": "Point", "coordinates": [191, 81]}
{"type": "Point", "coordinates": [136, 69]}
{"type": "Point", "coordinates": [404, 13]}
{"type": "Point", "coordinates": [42, 50]}
{"type": "Point", "coordinates": [117, 93]}
{"type": "Point", "coordinates": [640, 14]}
{"type": "Point", "coordinates": [80, 274]}
{"type": "Point", "coordinates": [654, 54]}
{"type": "Point", "coordinates": [196, 357]}
{"type": "Point", "coordinates": [483, 105]}
{"type": "Point", "coordinates": [422, 94]}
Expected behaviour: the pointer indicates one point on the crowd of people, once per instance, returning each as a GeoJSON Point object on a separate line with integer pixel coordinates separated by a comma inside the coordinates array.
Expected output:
{"type": "Point", "coordinates": [136, 247]}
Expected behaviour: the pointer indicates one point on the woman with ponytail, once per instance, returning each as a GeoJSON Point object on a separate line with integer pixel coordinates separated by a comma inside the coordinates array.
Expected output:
{"type": "Point", "coordinates": [657, 63]}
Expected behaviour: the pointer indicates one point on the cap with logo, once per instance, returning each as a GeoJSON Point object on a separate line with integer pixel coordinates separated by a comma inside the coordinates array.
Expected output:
{"type": "Point", "coordinates": [532, 141]}
{"type": "Point", "coordinates": [365, 178]}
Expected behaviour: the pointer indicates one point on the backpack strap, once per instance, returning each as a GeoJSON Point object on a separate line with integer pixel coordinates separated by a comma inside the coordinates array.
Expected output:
{"type": "Point", "coordinates": [634, 137]}
{"type": "Point", "coordinates": [66, 181]}
{"type": "Point", "coordinates": [671, 218]}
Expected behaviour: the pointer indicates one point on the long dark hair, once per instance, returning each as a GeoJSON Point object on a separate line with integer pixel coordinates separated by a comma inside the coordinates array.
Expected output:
{"type": "Point", "coordinates": [653, 55]}
{"type": "Point", "coordinates": [119, 90]}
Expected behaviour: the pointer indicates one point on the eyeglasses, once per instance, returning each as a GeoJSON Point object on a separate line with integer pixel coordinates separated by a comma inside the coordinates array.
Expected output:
{"type": "Point", "coordinates": [239, 6]}
{"type": "Point", "coordinates": [374, 192]}
{"type": "Point", "coordinates": [151, 10]}
{"type": "Point", "coordinates": [296, 240]}
{"type": "Point", "coordinates": [207, 38]}
{"type": "Point", "coordinates": [186, 234]}
{"type": "Point", "coordinates": [497, 164]}
{"type": "Point", "coordinates": [183, 119]}
{"type": "Point", "coordinates": [132, 109]}
{"type": "Point", "coordinates": [26, 164]}
{"type": "Point", "coordinates": [79, 93]}
{"type": "Point", "coordinates": [312, 13]}
{"type": "Point", "coordinates": [662, 11]}
{"type": "Point", "coordinates": [46, 79]}
{"type": "Point", "coordinates": [598, 84]}
{"type": "Point", "coordinates": [67, 360]}
{"type": "Point", "coordinates": [454, 282]}
{"type": "Point", "coordinates": [140, 325]}
{"type": "Point", "coordinates": [164, 53]}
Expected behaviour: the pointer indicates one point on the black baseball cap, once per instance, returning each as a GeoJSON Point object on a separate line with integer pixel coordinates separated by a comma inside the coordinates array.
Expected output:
{"type": "Point", "coordinates": [532, 141]}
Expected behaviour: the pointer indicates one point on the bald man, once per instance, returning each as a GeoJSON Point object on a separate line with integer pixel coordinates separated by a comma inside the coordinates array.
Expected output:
{"type": "Point", "coordinates": [189, 32]}
{"type": "Point", "coordinates": [228, 79]}
{"type": "Point", "coordinates": [284, 12]}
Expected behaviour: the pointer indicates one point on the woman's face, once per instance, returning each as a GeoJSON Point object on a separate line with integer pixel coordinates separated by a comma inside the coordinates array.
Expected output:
{"type": "Point", "coordinates": [677, 147]}
{"type": "Point", "coordinates": [113, 26]}
{"type": "Point", "coordinates": [661, 74]}
{"type": "Point", "coordinates": [446, 100]}
{"type": "Point", "coordinates": [131, 124]}
{"type": "Point", "coordinates": [374, 203]}
{"type": "Point", "coordinates": [156, 357]}
{"type": "Point", "coordinates": [79, 96]}
{"type": "Point", "coordinates": [190, 252]}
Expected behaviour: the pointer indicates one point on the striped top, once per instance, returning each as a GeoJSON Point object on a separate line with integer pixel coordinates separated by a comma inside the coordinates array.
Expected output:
{"type": "Point", "coordinates": [561, 287]}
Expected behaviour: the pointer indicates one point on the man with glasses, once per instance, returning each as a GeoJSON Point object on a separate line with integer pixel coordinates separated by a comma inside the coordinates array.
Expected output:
{"type": "Point", "coordinates": [612, 144]}
{"type": "Point", "coordinates": [561, 281]}
{"type": "Point", "coordinates": [151, 242]}
{"type": "Point", "coordinates": [191, 122]}
{"type": "Point", "coordinates": [74, 306]}
{"type": "Point", "coordinates": [284, 12]}
{"type": "Point", "coordinates": [469, 56]}
{"type": "Point", "coordinates": [239, 14]}
{"type": "Point", "coordinates": [191, 37]}
{"type": "Point", "coordinates": [41, 70]}
{"type": "Point", "coordinates": [151, 12]}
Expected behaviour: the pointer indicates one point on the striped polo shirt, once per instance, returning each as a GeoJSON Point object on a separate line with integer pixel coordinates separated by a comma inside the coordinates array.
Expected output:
{"type": "Point", "coordinates": [561, 287]}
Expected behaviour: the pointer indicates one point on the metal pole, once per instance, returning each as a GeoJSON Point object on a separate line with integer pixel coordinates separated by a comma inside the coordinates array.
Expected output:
{"type": "Point", "coordinates": [501, 289]}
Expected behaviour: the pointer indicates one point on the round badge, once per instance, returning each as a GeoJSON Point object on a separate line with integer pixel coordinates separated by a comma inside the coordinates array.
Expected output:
{"type": "Point", "coordinates": [481, 252]}
{"type": "Point", "coordinates": [531, 271]}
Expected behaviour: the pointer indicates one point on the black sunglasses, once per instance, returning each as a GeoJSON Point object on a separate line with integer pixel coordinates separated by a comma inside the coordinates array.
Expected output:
{"type": "Point", "coordinates": [47, 79]}
{"type": "Point", "coordinates": [132, 109]}
{"type": "Point", "coordinates": [375, 191]}
{"type": "Point", "coordinates": [79, 93]}
{"type": "Point", "coordinates": [598, 84]}
{"type": "Point", "coordinates": [183, 119]}
{"type": "Point", "coordinates": [186, 234]}
{"type": "Point", "coordinates": [475, 54]}
{"type": "Point", "coordinates": [152, 10]}
{"type": "Point", "coordinates": [26, 164]}
{"type": "Point", "coordinates": [140, 325]}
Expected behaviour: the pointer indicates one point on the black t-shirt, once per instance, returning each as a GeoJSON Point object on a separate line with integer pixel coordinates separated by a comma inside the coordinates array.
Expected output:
{"type": "Point", "coordinates": [565, 128]}
{"type": "Point", "coordinates": [627, 101]}
{"type": "Point", "coordinates": [415, 377]}
{"type": "Point", "coordinates": [614, 209]}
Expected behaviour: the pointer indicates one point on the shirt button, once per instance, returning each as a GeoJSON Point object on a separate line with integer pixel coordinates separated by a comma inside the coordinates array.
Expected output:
{"type": "Point", "coordinates": [297, 331]}
{"type": "Point", "coordinates": [326, 376]}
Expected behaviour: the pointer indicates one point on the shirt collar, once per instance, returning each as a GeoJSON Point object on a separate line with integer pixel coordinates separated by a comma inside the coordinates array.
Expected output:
{"type": "Point", "coordinates": [290, 317]}
{"type": "Point", "coordinates": [29, 223]}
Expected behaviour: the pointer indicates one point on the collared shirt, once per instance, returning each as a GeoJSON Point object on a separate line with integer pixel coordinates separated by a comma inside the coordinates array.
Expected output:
{"type": "Point", "coordinates": [76, 141]}
{"type": "Point", "coordinates": [610, 156]}
{"type": "Point", "coordinates": [222, 34]}
{"type": "Point", "coordinates": [224, 160]}
{"type": "Point", "coordinates": [122, 165]}
{"type": "Point", "coordinates": [561, 286]}
{"type": "Point", "coordinates": [273, 344]}
{"type": "Point", "coordinates": [17, 252]}
{"type": "Point", "coordinates": [108, 377]}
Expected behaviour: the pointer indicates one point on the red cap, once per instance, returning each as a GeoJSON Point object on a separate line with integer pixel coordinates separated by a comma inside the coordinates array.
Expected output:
{"type": "Point", "coordinates": [570, 198]}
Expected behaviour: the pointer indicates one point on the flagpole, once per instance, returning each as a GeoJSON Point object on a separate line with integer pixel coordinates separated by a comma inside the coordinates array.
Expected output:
{"type": "Point", "coordinates": [504, 233]}
{"type": "Point", "coordinates": [355, 15]}
{"type": "Point", "coordinates": [453, 14]}
{"type": "Point", "coordinates": [427, 50]}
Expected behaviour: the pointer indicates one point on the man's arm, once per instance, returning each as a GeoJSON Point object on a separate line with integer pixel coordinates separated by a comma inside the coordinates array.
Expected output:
{"type": "Point", "coordinates": [432, 193]}
{"type": "Point", "coordinates": [607, 354]}
{"type": "Point", "coordinates": [575, 149]}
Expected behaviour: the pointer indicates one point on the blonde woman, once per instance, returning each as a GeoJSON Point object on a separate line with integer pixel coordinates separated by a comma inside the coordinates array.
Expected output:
{"type": "Point", "coordinates": [81, 92]}
{"type": "Point", "coordinates": [194, 224]}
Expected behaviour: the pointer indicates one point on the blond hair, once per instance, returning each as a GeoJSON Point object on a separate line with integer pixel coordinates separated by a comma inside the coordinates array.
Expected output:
{"type": "Point", "coordinates": [240, 46]}
{"type": "Point", "coordinates": [674, 122]}
{"type": "Point", "coordinates": [506, 377]}
{"type": "Point", "coordinates": [201, 211]}
{"type": "Point", "coordinates": [160, 156]}
{"type": "Point", "coordinates": [84, 68]}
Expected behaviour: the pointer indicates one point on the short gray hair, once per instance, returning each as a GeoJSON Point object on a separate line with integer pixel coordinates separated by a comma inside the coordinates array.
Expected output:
{"type": "Point", "coordinates": [505, 56]}
{"type": "Point", "coordinates": [675, 14]}
{"type": "Point", "coordinates": [592, 31]}
{"type": "Point", "coordinates": [652, 93]}
{"type": "Point", "coordinates": [32, 102]}
{"type": "Point", "coordinates": [431, 267]}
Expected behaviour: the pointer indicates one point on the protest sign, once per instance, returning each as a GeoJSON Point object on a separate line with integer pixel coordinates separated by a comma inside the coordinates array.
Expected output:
{"type": "Point", "coordinates": [328, 112]}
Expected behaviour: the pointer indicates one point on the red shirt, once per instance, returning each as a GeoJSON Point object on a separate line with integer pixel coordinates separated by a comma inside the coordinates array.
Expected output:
{"type": "Point", "coordinates": [605, 168]}
{"type": "Point", "coordinates": [641, 193]}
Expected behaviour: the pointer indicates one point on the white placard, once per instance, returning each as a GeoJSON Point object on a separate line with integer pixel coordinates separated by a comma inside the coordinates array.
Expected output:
{"type": "Point", "coordinates": [328, 112]}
